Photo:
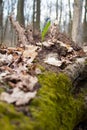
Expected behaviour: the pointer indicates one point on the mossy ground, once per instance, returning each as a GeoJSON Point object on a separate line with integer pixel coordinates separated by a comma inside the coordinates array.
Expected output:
{"type": "Point", "coordinates": [54, 108]}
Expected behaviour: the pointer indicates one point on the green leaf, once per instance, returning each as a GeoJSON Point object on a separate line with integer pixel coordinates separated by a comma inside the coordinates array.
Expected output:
{"type": "Point", "coordinates": [45, 30]}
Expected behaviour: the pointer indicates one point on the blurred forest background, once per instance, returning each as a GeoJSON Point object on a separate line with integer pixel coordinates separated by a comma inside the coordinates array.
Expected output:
{"type": "Point", "coordinates": [71, 16]}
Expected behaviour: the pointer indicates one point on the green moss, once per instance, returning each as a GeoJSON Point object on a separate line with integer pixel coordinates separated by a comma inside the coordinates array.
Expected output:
{"type": "Point", "coordinates": [1, 89]}
{"type": "Point", "coordinates": [41, 67]}
{"type": "Point", "coordinates": [54, 108]}
{"type": "Point", "coordinates": [10, 119]}
{"type": "Point", "coordinates": [86, 61]}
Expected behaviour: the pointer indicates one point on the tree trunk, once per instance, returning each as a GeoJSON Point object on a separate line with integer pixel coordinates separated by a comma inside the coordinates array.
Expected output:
{"type": "Point", "coordinates": [57, 9]}
{"type": "Point", "coordinates": [77, 17]}
{"type": "Point", "coordinates": [36, 15]}
{"type": "Point", "coordinates": [20, 12]}
{"type": "Point", "coordinates": [70, 20]}
{"type": "Point", "coordinates": [60, 13]}
{"type": "Point", "coordinates": [1, 21]}
{"type": "Point", "coordinates": [85, 24]}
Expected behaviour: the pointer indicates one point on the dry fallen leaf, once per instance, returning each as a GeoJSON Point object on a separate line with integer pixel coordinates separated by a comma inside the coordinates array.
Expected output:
{"type": "Point", "coordinates": [30, 49]}
{"type": "Point", "coordinates": [29, 54]}
{"type": "Point", "coordinates": [27, 82]}
{"type": "Point", "coordinates": [26, 98]}
{"type": "Point", "coordinates": [69, 48]}
{"type": "Point", "coordinates": [3, 74]}
{"type": "Point", "coordinates": [5, 59]}
{"type": "Point", "coordinates": [47, 43]}
{"type": "Point", "coordinates": [18, 97]}
{"type": "Point", "coordinates": [52, 59]}
{"type": "Point", "coordinates": [21, 80]}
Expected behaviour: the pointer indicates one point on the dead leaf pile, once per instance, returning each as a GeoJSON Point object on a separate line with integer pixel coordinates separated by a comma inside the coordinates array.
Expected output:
{"type": "Point", "coordinates": [21, 86]}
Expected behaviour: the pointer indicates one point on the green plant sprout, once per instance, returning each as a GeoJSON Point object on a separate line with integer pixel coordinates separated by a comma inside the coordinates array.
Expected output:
{"type": "Point", "coordinates": [45, 30]}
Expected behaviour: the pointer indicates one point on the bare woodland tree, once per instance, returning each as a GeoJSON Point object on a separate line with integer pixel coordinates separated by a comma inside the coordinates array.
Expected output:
{"type": "Point", "coordinates": [20, 11]}
{"type": "Point", "coordinates": [1, 21]}
{"type": "Point", "coordinates": [85, 23]}
{"type": "Point", "coordinates": [50, 7]}
{"type": "Point", "coordinates": [77, 17]}
{"type": "Point", "coordinates": [36, 15]}
{"type": "Point", "coordinates": [70, 19]}
{"type": "Point", "coordinates": [57, 9]}
{"type": "Point", "coordinates": [13, 33]}
{"type": "Point", "coordinates": [60, 18]}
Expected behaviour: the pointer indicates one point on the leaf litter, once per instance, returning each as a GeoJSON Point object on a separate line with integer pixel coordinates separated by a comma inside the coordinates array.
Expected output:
{"type": "Point", "coordinates": [14, 72]}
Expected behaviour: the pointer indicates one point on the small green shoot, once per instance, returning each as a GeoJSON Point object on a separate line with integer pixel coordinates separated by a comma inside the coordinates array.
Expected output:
{"type": "Point", "coordinates": [45, 30]}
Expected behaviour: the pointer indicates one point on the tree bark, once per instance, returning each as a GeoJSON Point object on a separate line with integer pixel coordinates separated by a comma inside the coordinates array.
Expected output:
{"type": "Point", "coordinates": [20, 12]}
{"type": "Point", "coordinates": [70, 20]}
{"type": "Point", "coordinates": [77, 17]}
{"type": "Point", "coordinates": [75, 69]}
{"type": "Point", "coordinates": [60, 13]}
{"type": "Point", "coordinates": [36, 15]}
{"type": "Point", "coordinates": [1, 21]}
{"type": "Point", "coordinates": [85, 24]}
{"type": "Point", "coordinates": [57, 9]}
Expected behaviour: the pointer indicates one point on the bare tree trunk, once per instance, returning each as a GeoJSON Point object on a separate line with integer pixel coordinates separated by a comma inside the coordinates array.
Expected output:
{"type": "Point", "coordinates": [70, 19]}
{"type": "Point", "coordinates": [36, 15]}
{"type": "Point", "coordinates": [57, 9]}
{"type": "Point", "coordinates": [60, 13]}
{"type": "Point", "coordinates": [7, 27]}
{"type": "Point", "coordinates": [85, 24]}
{"type": "Point", "coordinates": [34, 12]}
{"type": "Point", "coordinates": [20, 12]}
{"type": "Point", "coordinates": [77, 17]}
{"type": "Point", "coordinates": [1, 21]}
{"type": "Point", "coordinates": [50, 8]}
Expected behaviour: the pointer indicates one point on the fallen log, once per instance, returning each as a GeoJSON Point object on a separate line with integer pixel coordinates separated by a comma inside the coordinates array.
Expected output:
{"type": "Point", "coordinates": [54, 107]}
{"type": "Point", "coordinates": [74, 70]}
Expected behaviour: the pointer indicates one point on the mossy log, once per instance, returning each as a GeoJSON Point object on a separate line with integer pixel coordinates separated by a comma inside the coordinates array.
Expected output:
{"type": "Point", "coordinates": [76, 69]}
{"type": "Point", "coordinates": [54, 108]}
